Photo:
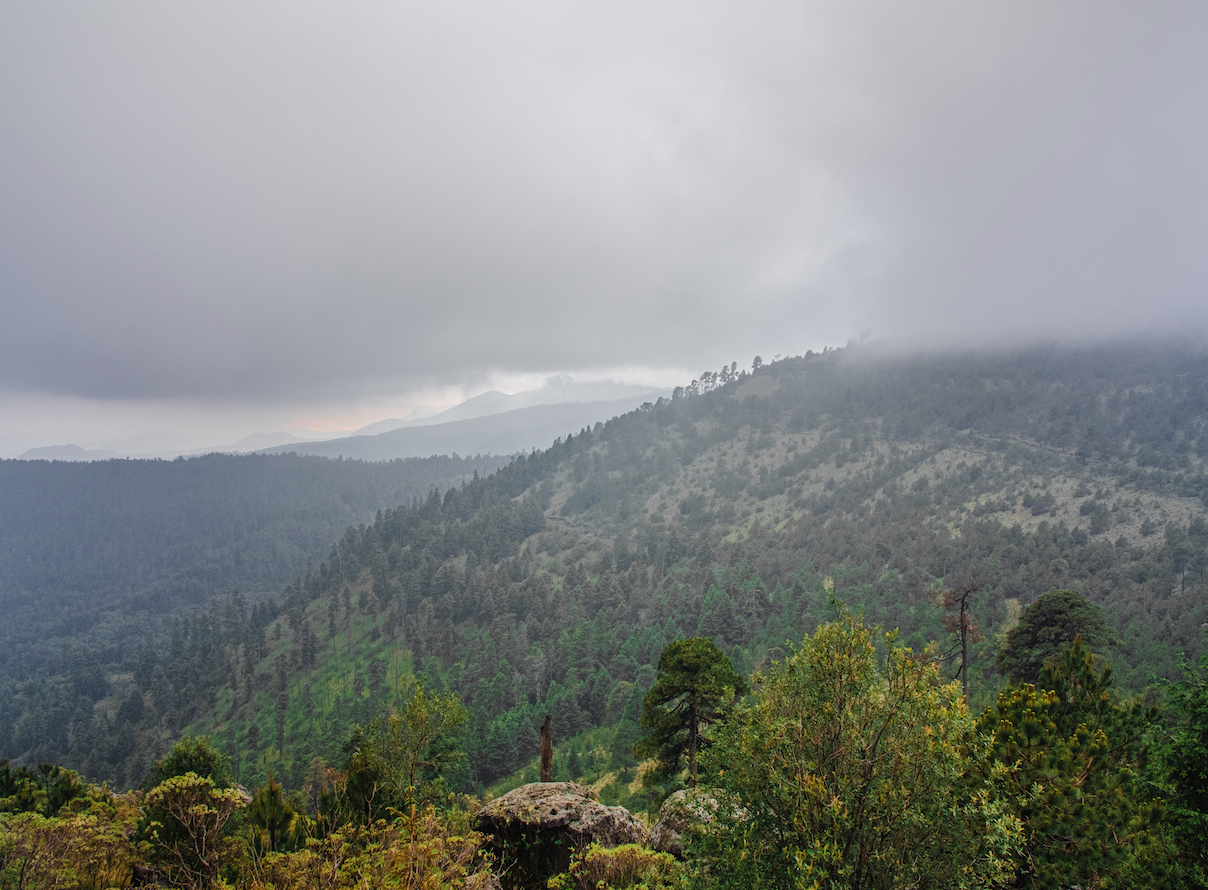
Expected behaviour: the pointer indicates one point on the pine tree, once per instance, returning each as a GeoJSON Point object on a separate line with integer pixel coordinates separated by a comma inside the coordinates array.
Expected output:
{"type": "Point", "coordinates": [271, 812]}
{"type": "Point", "coordinates": [1045, 628]}
{"type": "Point", "coordinates": [1068, 759]}
{"type": "Point", "coordinates": [695, 688]}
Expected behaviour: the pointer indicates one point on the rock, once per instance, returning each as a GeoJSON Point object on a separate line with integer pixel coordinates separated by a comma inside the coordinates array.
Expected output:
{"type": "Point", "coordinates": [571, 809]}
{"type": "Point", "coordinates": [536, 828]}
{"type": "Point", "coordinates": [683, 810]}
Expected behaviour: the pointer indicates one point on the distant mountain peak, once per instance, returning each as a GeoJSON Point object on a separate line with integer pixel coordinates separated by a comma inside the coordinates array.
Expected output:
{"type": "Point", "coordinates": [62, 452]}
{"type": "Point", "coordinates": [555, 390]}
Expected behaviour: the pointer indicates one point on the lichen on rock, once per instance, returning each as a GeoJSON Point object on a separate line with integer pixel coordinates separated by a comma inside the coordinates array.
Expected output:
{"type": "Point", "coordinates": [536, 828]}
{"type": "Point", "coordinates": [687, 810]}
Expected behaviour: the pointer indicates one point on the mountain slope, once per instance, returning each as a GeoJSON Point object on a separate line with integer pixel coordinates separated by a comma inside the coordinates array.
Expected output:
{"type": "Point", "coordinates": [97, 559]}
{"type": "Point", "coordinates": [735, 510]}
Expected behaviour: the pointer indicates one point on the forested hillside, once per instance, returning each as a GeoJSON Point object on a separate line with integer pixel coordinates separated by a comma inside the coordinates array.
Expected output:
{"type": "Point", "coordinates": [97, 559]}
{"type": "Point", "coordinates": [734, 510]}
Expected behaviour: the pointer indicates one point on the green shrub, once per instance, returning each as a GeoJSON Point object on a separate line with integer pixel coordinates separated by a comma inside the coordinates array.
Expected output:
{"type": "Point", "coordinates": [626, 866]}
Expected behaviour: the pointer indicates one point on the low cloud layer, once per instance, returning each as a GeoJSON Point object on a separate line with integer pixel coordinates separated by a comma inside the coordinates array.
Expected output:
{"type": "Point", "coordinates": [293, 202]}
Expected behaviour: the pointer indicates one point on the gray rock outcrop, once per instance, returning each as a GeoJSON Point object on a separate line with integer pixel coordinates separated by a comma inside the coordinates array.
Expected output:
{"type": "Point", "coordinates": [536, 828]}
{"type": "Point", "coordinates": [570, 809]}
{"type": "Point", "coordinates": [684, 811]}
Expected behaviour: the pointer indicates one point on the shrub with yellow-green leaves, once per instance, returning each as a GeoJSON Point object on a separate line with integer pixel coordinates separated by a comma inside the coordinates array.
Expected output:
{"type": "Point", "coordinates": [848, 769]}
{"type": "Point", "coordinates": [186, 829]}
{"type": "Point", "coordinates": [625, 867]}
{"type": "Point", "coordinates": [84, 850]}
{"type": "Point", "coordinates": [427, 852]}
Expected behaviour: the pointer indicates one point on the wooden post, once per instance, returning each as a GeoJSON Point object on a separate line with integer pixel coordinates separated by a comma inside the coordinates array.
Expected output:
{"type": "Point", "coordinates": [547, 749]}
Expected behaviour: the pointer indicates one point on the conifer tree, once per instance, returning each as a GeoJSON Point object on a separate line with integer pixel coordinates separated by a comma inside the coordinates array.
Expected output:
{"type": "Point", "coordinates": [1045, 628]}
{"type": "Point", "coordinates": [696, 688]}
{"type": "Point", "coordinates": [1068, 758]}
{"type": "Point", "coordinates": [271, 812]}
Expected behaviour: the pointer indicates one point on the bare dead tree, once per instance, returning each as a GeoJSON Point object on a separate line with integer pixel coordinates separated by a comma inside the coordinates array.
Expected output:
{"type": "Point", "coordinates": [962, 625]}
{"type": "Point", "coordinates": [547, 749]}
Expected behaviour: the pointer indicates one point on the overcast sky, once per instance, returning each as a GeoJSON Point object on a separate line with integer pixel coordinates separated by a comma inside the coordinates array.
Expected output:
{"type": "Point", "coordinates": [242, 216]}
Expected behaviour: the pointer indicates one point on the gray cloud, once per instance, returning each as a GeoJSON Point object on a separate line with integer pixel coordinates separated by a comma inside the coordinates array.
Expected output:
{"type": "Point", "coordinates": [295, 201]}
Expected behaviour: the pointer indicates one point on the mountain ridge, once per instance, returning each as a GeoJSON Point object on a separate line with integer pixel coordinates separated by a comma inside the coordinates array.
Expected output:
{"type": "Point", "coordinates": [508, 432]}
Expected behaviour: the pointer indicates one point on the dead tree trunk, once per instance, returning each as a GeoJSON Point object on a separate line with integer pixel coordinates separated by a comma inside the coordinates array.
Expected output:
{"type": "Point", "coordinates": [547, 749]}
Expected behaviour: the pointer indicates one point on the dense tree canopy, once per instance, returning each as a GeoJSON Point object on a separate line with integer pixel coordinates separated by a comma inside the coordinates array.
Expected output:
{"type": "Point", "coordinates": [1185, 761]}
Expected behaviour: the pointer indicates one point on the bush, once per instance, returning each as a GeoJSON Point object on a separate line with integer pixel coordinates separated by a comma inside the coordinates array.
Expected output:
{"type": "Point", "coordinates": [626, 866]}
{"type": "Point", "coordinates": [429, 851]}
{"type": "Point", "coordinates": [847, 767]}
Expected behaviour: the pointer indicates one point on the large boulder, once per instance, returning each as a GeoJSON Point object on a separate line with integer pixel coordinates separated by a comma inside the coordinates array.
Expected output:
{"type": "Point", "coordinates": [537, 828]}
{"type": "Point", "coordinates": [686, 811]}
